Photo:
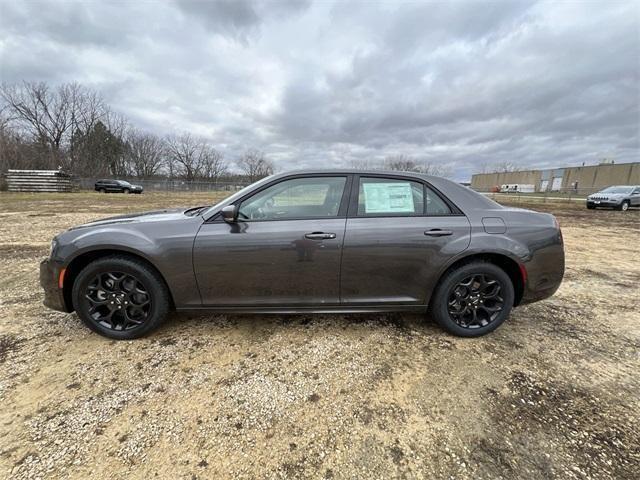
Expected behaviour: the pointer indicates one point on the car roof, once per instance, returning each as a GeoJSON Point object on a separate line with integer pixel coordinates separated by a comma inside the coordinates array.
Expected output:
{"type": "Point", "coordinates": [354, 171]}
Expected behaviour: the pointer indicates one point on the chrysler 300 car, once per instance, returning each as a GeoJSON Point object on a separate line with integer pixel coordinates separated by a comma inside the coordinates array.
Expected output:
{"type": "Point", "coordinates": [312, 241]}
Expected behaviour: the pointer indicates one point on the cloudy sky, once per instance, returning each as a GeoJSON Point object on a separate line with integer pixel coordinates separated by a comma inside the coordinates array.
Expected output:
{"type": "Point", "coordinates": [325, 83]}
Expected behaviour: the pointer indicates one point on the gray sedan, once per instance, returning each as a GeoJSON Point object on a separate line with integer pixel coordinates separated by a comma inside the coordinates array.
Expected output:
{"type": "Point", "coordinates": [312, 241]}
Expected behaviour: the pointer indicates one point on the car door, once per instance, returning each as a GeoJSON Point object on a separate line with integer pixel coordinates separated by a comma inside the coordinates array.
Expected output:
{"type": "Point", "coordinates": [635, 197]}
{"type": "Point", "coordinates": [284, 250]}
{"type": "Point", "coordinates": [400, 233]}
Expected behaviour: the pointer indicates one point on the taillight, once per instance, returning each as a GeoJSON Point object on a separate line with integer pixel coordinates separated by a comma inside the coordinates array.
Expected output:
{"type": "Point", "coordinates": [557, 225]}
{"type": "Point", "coordinates": [523, 273]}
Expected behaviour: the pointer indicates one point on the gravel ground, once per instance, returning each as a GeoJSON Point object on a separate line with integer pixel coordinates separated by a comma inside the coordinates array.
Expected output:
{"type": "Point", "coordinates": [554, 393]}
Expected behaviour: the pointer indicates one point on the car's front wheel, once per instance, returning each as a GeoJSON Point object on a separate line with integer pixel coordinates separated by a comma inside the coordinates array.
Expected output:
{"type": "Point", "coordinates": [473, 299]}
{"type": "Point", "coordinates": [120, 297]}
{"type": "Point", "coordinates": [624, 206]}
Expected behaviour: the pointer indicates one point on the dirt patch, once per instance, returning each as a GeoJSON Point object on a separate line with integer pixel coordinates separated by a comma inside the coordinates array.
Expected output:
{"type": "Point", "coordinates": [551, 394]}
{"type": "Point", "coordinates": [9, 344]}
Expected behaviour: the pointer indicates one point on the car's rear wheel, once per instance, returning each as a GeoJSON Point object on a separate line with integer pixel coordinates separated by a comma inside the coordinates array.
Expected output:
{"type": "Point", "coordinates": [120, 297]}
{"type": "Point", "coordinates": [624, 206]}
{"type": "Point", "coordinates": [473, 299]}
{"type": "Point", "coordinates": [102, 190]}
{"type": "Point", "coordinates": [126, 190]}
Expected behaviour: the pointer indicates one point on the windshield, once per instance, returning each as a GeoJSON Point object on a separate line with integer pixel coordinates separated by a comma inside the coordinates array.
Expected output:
{"type": "Point", "coordinates": [617, 190]}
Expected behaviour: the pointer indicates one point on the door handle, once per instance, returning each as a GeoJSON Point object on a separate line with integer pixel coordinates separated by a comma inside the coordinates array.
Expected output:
{"type": "Point", "coordinates": [320, 236]}
{"type": "Point", "coordinates": [437, 232]}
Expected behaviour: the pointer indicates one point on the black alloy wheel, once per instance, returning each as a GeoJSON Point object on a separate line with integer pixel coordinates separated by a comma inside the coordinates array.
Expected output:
{"type": "Point", "coordinates": [118, 301]}
{"type": "Point", "coordinates": [476, 301]}
{"type": "Point", "coordinates": [120, 297]}
{"type": "Point", "coordinates": [472, 299]}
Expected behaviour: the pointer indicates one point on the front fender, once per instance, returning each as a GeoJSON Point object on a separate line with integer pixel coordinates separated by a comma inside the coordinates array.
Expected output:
{"type": "Point", "coordinates": [166, 247]}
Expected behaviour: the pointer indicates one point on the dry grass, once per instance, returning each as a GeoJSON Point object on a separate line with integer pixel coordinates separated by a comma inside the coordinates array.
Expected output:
{"type": "Point", "coordinates": [552, 393]}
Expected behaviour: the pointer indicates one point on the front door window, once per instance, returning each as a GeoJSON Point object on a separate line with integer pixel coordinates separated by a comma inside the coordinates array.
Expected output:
{"type": "Point", "coordinates": [298, 198]}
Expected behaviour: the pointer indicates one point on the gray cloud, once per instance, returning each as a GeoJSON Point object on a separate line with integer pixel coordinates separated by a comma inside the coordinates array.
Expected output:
{"type": "Point", "coordinates": [463, 83]}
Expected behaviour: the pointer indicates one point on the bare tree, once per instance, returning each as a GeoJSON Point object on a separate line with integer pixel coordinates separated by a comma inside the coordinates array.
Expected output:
{"type": "Point", "coordinates": [435, 169]}
{"type": "Point", "coordinates": [363, 164]}
{"type": "Point", "coordinates": [51, 117]}
{"type": "Point", "coordinates": [407, 164]}
{"type": "Point", "coordinates": [145, 153]}
{"type": "Point", "coordinates": [186, 153]}
{"type": "Point", "coordinates": [254, 165]}
{"type": "Point", "coordinates": [504, 166]}
{"type": "Point", "coordinates": [213, 164]}
{"type": "Point", "coordinates": [402, 163]}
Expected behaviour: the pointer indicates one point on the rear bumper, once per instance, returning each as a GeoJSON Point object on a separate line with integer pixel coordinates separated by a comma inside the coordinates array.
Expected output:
{"type": "Point", "coordinates": [53, 295]}
{"type": "Point", "coordinates": [545, 272]}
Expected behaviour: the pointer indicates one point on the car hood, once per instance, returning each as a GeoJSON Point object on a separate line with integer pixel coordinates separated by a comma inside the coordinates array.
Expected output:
{"type": "Point", "coordinates": [613, 196]}
{"type": "Point", "coordinates": [154, 216]}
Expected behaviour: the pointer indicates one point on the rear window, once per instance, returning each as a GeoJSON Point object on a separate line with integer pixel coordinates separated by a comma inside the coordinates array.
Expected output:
{"type": "Point", "coordinates": [398, 197]}
{"type": "Point", "coordinates": [388, 196]}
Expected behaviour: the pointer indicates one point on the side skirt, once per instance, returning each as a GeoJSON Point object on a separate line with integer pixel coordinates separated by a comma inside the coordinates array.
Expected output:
{"type": "Point", "coordinates": [316, 309]}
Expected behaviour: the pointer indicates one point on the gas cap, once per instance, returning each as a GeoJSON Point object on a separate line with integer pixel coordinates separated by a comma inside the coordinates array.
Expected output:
{"type": "Point", "coordinates": [494, 225]}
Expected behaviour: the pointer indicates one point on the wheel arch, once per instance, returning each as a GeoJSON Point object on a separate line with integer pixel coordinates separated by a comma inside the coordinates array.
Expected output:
{"type": "Point", "coordinates": [79, 262]}
{"type": "Point", "coordinates": [511, 267]}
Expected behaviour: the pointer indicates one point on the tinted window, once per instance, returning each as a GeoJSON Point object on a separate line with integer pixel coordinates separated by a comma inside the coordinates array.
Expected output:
{"type": "Point", "coordinates": [389, 196]}
{"type": "Point", "coordinates": [296, 198]}
{"type": "Point", "coordinates": [435, 204]}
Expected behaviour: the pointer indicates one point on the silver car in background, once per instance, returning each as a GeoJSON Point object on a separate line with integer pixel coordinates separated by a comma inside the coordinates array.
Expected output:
{"type": "Point", "coordinates": [620, 197]}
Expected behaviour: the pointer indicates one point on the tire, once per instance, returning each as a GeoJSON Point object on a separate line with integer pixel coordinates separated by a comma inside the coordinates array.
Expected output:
{"type": "Point", "coordinates": [624, 206]}
{"type": "Point", "coordinates": [102, 190]}
{"type": "Point", "coordinates": [446, 298]}
{"type": "Point", "coordinates": [124, 278]}
{"type": "Point", "coordinates": [591, 207]}
{"type": "Point", "coordinates": [127, 191]}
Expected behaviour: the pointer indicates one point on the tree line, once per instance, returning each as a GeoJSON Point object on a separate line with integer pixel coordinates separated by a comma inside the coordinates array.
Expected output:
{"type": "Point", "coordinates": [71, 127]}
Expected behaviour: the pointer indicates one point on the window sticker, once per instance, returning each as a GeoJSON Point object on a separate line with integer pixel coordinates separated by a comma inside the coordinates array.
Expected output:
{"type": "Point", "coordinates": [388, 197]}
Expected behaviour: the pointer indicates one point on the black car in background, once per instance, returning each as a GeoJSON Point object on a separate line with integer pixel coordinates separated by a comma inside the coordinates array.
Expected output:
{"type": "Point", "coordinates": [117, 186]}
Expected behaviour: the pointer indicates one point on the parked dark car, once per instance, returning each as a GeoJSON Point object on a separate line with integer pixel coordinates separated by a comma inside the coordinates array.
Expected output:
{"type": "Point", "coordinates": [338, 241]}
{"type": "Point", "coordinates": [117, 186]}
{"type": "Point", "coordinates": [620, 197]}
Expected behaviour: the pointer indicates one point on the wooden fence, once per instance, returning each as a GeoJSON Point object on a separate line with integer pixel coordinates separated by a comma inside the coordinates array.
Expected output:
{"type": "Point", "coordinates": [38, 181]}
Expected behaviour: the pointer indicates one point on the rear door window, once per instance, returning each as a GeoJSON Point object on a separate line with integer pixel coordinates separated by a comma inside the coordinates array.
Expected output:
{"type": "Point", "coordinates": [398, 197]}
{"type": "Point", "coordinates": [390, 196]}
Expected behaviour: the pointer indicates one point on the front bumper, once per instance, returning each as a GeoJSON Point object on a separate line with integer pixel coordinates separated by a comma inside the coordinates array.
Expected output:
{"type": "Point", "coordinates": [53, 295]}
{"type": "Point", "coordinates": [603, 203]}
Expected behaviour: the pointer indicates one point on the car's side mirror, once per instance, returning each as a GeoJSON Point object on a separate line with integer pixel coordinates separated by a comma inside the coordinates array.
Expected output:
{"type": "Point", "coordinates": [229, 213]}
